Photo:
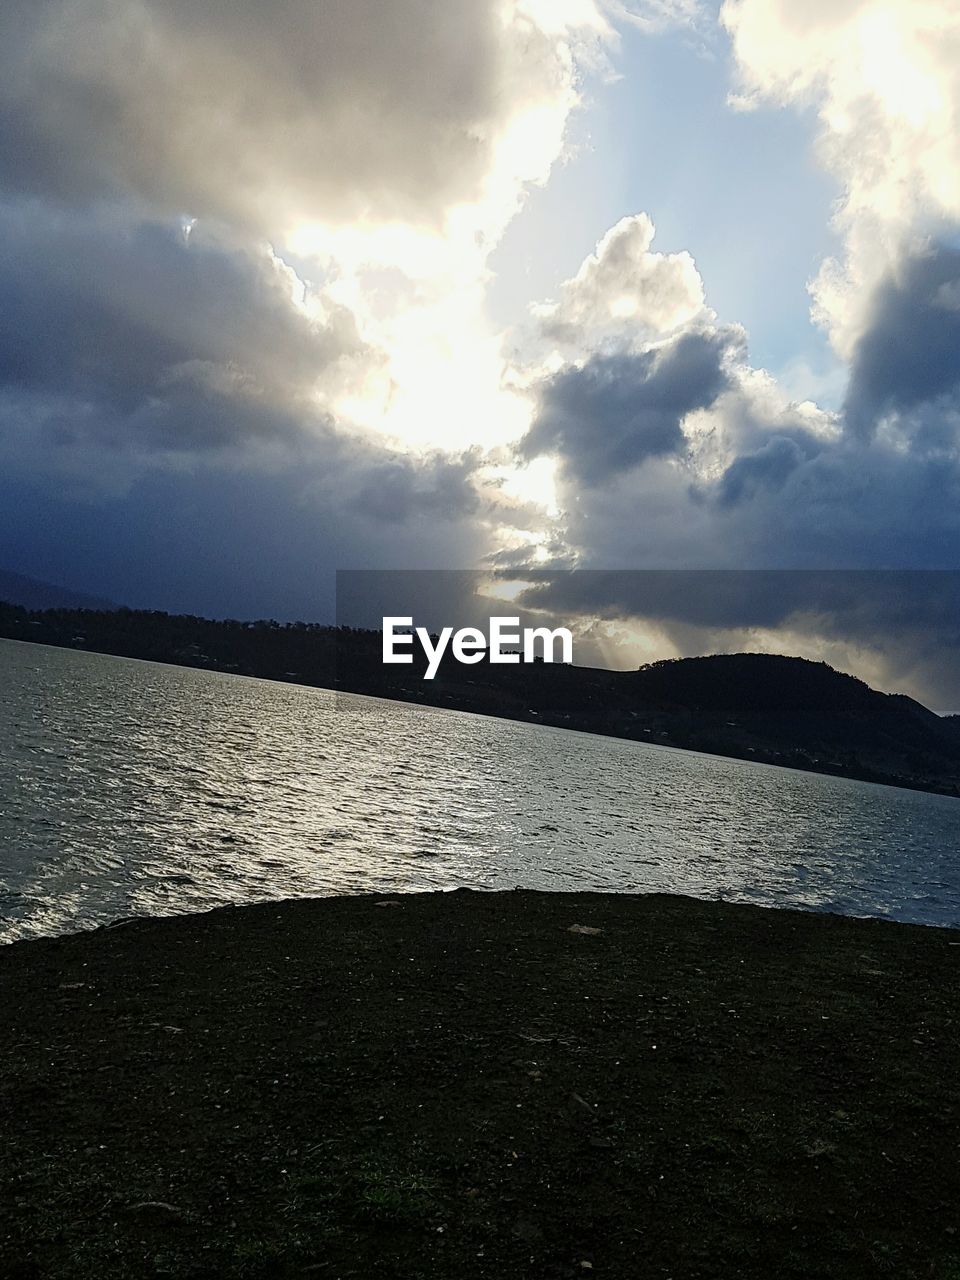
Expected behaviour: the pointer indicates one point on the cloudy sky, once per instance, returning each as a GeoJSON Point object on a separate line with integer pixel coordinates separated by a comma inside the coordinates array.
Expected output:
{"type": "Point", "coordinates": [607, 284]}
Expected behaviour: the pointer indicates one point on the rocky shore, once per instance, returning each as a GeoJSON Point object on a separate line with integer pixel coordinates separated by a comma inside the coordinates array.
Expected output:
{"type": "Point", "coordinates": [474, 1085]}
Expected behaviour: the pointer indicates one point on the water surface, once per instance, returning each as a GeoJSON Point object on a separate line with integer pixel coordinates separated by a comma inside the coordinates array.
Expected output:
{"type": "Point", "coordinates": [133, 788]}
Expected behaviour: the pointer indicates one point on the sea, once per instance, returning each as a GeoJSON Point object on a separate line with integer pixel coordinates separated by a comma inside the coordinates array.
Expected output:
{"type": "Point", "coordinates": [132, 788]}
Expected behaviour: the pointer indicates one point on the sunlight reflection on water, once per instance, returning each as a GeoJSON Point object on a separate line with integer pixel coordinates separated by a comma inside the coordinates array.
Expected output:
{"type": "Point", "coordinates": [131, 788]}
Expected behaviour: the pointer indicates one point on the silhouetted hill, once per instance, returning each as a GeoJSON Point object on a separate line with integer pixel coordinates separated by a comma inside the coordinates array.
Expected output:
{"type": "Point", "coordinates": [779, 708]}
{"type": "Point", "coordinates": [30, 593]}
{"type": "Point", "coordinates": [753, 682]}
{"type": "Point", "coordinates": [762, 707]}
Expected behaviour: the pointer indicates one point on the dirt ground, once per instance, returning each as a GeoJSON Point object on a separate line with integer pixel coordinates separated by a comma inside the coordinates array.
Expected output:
{"type": "Point", "coordinates": [457, 1085]}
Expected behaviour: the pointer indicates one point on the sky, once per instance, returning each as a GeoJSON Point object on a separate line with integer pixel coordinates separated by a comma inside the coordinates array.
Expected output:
{"type": "Point", "coordinates": [618, 285]}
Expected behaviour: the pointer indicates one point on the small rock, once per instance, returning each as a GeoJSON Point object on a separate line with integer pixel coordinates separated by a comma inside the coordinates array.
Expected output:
{"type": "Point", "coordinates": [582, 1106]}
{"type": "Point", "coordinates": [156, 1208]}
{"type": "Point", "coordinates": [584, 928]}
{"type": "Point", "coordinates": [526, 1230]}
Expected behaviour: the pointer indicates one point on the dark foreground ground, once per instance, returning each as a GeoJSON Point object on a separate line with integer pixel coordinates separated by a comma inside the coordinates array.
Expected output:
{"type": "Point", "coordinates": [458, 1086]}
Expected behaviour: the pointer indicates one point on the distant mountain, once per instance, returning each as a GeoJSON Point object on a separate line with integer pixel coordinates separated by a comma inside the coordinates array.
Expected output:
{"type": "Point", "coordinates": [754, 682]}
{"type": "Point", "coordinates": [756, 706]}
{"type": "Point", "coordinates": [782, 709]}
{"type": "Point", "coordinates": [30, 593]}
{"type": "Point", "coordinates": [771, 690]}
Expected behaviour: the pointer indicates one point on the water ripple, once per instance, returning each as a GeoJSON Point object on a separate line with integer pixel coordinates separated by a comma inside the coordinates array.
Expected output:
{"type": "Point", "coordinates": [130, 788]}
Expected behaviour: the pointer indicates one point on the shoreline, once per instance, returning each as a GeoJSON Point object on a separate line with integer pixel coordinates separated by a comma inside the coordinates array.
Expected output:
{"type": "Point", "coordinates": [456, 1084]}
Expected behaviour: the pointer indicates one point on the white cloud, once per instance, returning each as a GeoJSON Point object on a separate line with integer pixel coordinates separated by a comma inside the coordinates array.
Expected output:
{"type": "Point", "coordinates": [623, 289]}
{"type": "Point", "coordinates": [656, 16]}
{"type": "Point", "coordinates": [270, 116]}
{"type": "Point", "coordinates": [884, 78]}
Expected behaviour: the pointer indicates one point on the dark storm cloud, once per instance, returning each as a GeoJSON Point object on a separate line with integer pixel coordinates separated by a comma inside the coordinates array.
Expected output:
{"type": "Point", "coordinates": [172, 338]}
{"type": "Point", "coordinates": [855, 601]}
{"type": "Point", "coordinates": [768, 467]}
{"type": "Point", "coordinates": [910, 353]}
{"type": "Point", "coordinates": [125, 350]}
{"type": "Point", "coordinates": [616, 411]}
{"type": "Point", "coordinates": [784, 500]}
{"type": "Point", "coordinates": [161, 428]}
{"type": "Point", "coordinates": [759, 483]}
{"type": "Point", "coordinates": [227, 541]}
{"type": "Point", "coordinates": [394, 487]}
{"type": "Point", "coordinates": [262, 114]}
